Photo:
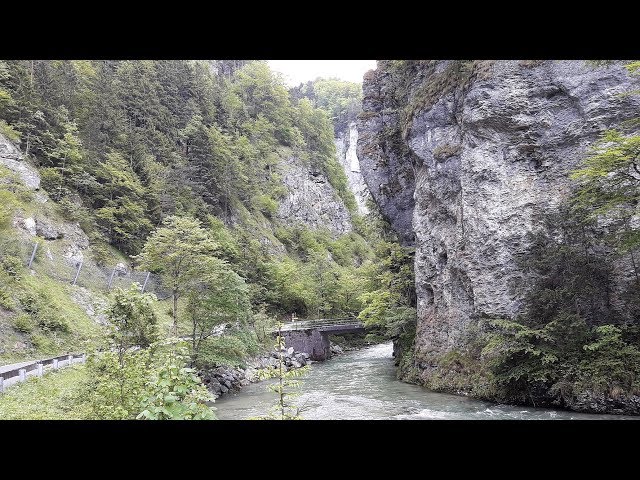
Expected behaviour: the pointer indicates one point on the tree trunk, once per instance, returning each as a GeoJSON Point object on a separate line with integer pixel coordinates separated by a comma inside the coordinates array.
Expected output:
{"type": "Point", "coordinates": [175, 312]}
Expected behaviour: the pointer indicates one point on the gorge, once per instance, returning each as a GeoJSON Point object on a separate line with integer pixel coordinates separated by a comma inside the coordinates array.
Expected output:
{"type": "Point", "coordinates": [478, 217]}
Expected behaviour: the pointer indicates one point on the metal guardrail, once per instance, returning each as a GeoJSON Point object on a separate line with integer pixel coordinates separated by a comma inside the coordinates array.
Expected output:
{"type": "Point", "coordinates": [37, 368]}
{"type": "Point", "coordinates": [319, 323]}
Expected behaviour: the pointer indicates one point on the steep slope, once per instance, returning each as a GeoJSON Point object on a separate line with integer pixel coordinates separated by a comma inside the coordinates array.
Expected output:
{"type": "Point", "coordinates": [468, 157]}
{"type": "Point", "coordinates": [122, 145]}
{"type": "Point", "coordinates": [41, 313]}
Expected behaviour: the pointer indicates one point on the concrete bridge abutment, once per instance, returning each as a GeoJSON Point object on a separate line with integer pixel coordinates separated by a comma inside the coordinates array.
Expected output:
{"type": "Point", "coordinates": [314, 342]}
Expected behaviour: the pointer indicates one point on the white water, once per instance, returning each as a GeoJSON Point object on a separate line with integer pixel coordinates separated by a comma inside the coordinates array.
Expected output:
{"type": "Point", "coordinates": [362, 385]}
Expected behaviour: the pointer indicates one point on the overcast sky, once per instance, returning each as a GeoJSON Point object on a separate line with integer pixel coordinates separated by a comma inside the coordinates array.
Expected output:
{"type": "Point", "coordinates": [299, 71]}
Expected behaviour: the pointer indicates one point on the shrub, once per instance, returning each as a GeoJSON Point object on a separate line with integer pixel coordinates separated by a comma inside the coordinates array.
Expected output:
{"type": "Point", "coordinates": [266, 205]}
{"type": "Point", "coordinates": [7, 130]}
{"type": "Point", "coordinates": [23, 323]}
{"type": "Point", "coordinates": [42, 343]}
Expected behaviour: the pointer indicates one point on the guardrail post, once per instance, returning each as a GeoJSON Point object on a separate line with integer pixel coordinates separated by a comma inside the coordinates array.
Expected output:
{"type": "Point", "coordinates": [83, 358]}
{"type": "Point", "coordinates": [39, 370]}
{"type": "Point", "coordinates": [1, 384]}
{"type": "Point", "coordinates": [22, 373]}
{"type": "Point", "coordinates": [55, 364]}
{"type": "Point", "coordinates": [70, 358]}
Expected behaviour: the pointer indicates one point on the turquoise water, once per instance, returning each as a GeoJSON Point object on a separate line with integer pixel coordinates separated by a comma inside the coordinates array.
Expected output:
{"type": "Point", "coordinates": [362, 385]}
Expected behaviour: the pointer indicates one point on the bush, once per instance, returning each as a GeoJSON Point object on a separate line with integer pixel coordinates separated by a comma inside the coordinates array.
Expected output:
{"type": "Point", "coordinates": [23, 323]}
{"type": "Point", "coordinates": [50, 179]}
{"type": "Point", "coordinates": [50, 320]}
{"type": "Point", "coordinates": [101, 253]}
{"type": "Point", "coordinates": [42, 343]}
{"type": "Point", "coordinates": [224, 350]}
{"type": "Point", "coordinates": [266, 205]}
{"type": "Point", "coordinates": [7, 130]}
{"type": "Point", "coordinates": [6, 298]}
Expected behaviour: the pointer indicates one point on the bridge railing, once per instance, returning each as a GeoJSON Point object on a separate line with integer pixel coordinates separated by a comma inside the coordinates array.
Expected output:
{"type": "Point", "coordinates": [319, 323]}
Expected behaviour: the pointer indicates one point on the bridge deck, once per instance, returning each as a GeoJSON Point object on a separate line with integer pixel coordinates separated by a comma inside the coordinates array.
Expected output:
{"type": "Point", "coordinates": [324, 324]}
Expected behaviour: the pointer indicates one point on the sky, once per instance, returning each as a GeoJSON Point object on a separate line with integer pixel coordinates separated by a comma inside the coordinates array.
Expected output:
{"type": "Point", "coordinates": [299, 71]}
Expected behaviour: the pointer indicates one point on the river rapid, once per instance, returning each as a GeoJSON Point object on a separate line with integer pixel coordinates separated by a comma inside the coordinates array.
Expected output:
{"type": "Point", "coordinates": [362, 385]}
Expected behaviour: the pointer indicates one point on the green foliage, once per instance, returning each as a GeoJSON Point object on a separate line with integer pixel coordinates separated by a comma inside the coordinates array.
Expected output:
{"type": "Point", "coordinates": [132, 318]}
{"type": "Point", "coordinates": [58, 395]}
{"type": "Point", "coordinates": [285, 387]}
{"type": "Point", "coordinates": [152, 384]}
{"type": "Point", "coordinates": [41, 305]}
{"type": "Point", "coordinates": [134, 142]}
{"type": "Point", "coordinates": [116, 384]}
{"type": "Point", "coordinates": [340, 99]}
{"type": "Point", "coordinates": [232, 347]}
{"type": "Point", "coordinates": [221, 298]}
{"type": "Point", "coordinates": [609, 184]}
{"type": "Point", "coordinates": [389, 302]}
{"type": "Point", "coordinates": [175, 392]}
{"type": "Point", "coordinates": [566, 344]}
{"type": "Point", "coordinates": [178, 251]}
{"type": "Point", "coordinates": [267, 205]}
{"type": "Point", "coordinates": [5, 129]}
{"type": "Point", "coordinates": [120, 205]}
{"type": "Point", "coordinates": [23, 323]}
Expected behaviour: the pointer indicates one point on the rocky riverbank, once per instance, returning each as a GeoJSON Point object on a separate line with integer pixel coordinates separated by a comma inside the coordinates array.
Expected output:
{"type": "Point", "coordinates": [222, 379]}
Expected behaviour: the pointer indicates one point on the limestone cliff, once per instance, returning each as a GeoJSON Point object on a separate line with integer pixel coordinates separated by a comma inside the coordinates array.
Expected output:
{"type": "Point", "coordinates": [311, 200]}
{"type": "Point", "coordinates": [466, 156]}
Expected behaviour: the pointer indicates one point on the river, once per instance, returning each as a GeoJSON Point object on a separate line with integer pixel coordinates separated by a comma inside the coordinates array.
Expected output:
{"type": "Point", "coordinates": [362, 385]}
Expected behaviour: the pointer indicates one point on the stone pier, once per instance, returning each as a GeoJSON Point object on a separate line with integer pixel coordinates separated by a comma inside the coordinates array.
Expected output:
{"type": "Point", "coordinates": [313, 342]}
{"type": "Point", "coordinates": [312, 336]}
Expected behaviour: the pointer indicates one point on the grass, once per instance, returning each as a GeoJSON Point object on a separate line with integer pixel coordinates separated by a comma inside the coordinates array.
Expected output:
{"type": "Point", "coordinates": [55, 396]}
{"type": "Point", "coordinates": [67, 327]}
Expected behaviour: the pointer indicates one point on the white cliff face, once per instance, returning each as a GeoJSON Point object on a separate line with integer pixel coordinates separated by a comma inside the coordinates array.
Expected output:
{"type": "Point", "coordinates": [311, 200]}
{"type": "Point", "coordinates": [346, 146]}
{"type": "Point", "coordinates": [12, 158]}
{"type": "Point", "coordinates": [489, 161]}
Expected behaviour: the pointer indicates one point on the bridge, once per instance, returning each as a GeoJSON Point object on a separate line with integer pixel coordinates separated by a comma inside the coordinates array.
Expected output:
{"type": "Point", "coordinates": [312, 336]}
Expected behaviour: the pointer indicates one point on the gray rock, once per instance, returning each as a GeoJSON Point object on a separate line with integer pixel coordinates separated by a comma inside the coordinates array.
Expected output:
{"type": "Point", "coordinates": [289, 351]}
{"type": "Point", "coordinates": [227, 383]}
{"type": "Point", "coordinates": [336, 349]}
{"type": "Point", "coordinates": [121, 269]}
{"type": "Point", "coordinates": [47, 230]}
{"type": "Point", "coordinates": [224, 389]}
{"type": "Point", "coordinates": [215, 387]}
{"type": "Point", "coordinates": [251, 374]}
{"type": "Point", "coordinates": [488, 160]}
{"type": "Point", "coordinates": [311, 200]}
{"type": "Point", "coordinates": [11, 158]}
{"type": "Point", "coordinates": [27, 224]}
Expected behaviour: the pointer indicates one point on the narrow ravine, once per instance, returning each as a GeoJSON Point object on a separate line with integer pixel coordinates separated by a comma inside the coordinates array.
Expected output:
{"type": "Point", "coordinates": [362, 385]}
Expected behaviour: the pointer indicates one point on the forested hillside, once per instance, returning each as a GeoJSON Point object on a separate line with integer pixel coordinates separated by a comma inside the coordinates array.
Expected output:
{"type": "Point", "coordinates": [122, 145]}
{"type": "Point", "coordinates": [216, 159]}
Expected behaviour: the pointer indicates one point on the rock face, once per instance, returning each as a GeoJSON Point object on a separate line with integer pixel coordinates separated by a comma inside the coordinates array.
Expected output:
{"type": "Point", "coordinates": [481, 161]}
{"type": "Point", "coordinates": [311, 200]}
{"type": "Point", "coordinates": [11, 158]}
{"type": "Point", "coordinates": [346, 148]}
{"type": "Point", "coordinates": [47, 230]}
